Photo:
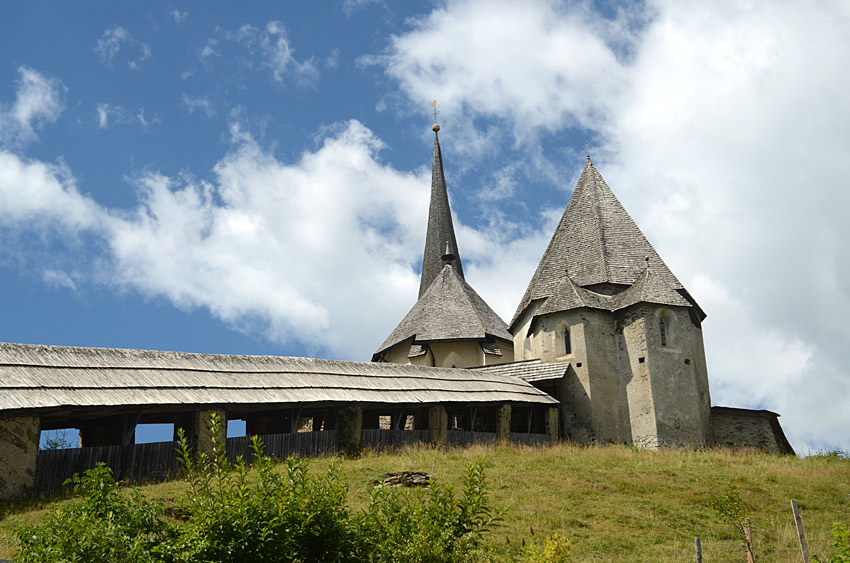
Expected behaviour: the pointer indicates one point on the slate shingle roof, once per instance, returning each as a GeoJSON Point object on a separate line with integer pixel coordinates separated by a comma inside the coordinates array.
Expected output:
{"type": "Point", "coordinates": [440, 227]}
{"type": "Point", "coordinates": [449, 310]}
{"type": "Point", "coordinates": [528, 370]}
{"type": "Point", "coordinates": [597, 242]}
{"type": "Point", "coordinates": [648, 288]}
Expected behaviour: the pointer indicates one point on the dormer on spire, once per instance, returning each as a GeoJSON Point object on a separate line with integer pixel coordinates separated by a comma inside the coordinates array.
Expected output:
{"type": "Point", "coordinates": [441, 233]}
{"type": "Point", "coordinates": [448, 255]}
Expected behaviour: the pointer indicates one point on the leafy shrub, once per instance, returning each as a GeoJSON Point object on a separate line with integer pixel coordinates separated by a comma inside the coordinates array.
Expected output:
{"type": "Point", "coordinates": [840, 545]}
{"type": "Point", "coordinates": [267, 516]}
{"type": "Point", "coordinates": [427, 525]}
{"type": "Point", "coordinates": [553, 549]}
{"type": "Point", "coordinates": [734, 510]}
{"type": "Point", "coordinates": [289, 517]}
{"type": "Point", "coordinates": [101, 527]}
{"type": "Point", "coordinates": [832, 456]}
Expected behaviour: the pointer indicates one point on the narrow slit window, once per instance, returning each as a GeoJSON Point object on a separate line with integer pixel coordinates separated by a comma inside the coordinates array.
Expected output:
{"type": "Point", "coordinates": [568, 346]}
{"type": "Point", "coordinates": [662, 327]}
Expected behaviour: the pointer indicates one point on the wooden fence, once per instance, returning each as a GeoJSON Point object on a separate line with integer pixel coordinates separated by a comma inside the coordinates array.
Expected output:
{"type": "Point", "coordinates": [136, 463]}
{"type": "Point", "coordinates": [299, 444]}
{"type": "Point", "coordinates": [461, 438]}
{"type": "Point", "coordinates": [530, 439]}
{"type": "Point", "coordinates": [152, 463]}
{"type": "Point", "coordinates": [384, 440]}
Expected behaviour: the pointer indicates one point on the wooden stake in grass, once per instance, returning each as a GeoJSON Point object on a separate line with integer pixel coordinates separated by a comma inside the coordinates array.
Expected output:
{"type": "Point", "coordinates": [698, 547]}
{"type": "Point", "coordinates": [751, 557]}
{"type": "Point", "coordinates": [804, 547]}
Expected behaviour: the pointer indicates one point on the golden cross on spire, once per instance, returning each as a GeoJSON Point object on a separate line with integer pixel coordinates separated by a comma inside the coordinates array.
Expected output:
{"type": "Point", "coordinates": [435, 127]}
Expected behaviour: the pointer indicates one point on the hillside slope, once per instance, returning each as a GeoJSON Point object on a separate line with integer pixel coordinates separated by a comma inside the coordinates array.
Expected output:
{"type": "Point", "coordinates": [614, 503]}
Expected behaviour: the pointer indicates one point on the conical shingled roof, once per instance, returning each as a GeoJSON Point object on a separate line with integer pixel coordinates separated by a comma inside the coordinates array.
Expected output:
{"type": "Point", "coordinates": [440, 227]}
{"type": "Point", "coordinates": [449, 310]}
{"type": "Point", "coordinates": [597, 242]}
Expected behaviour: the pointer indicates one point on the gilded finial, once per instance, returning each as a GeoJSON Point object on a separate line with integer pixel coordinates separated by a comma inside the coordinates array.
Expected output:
{"type": "Point", "coordinates": [435, 127]}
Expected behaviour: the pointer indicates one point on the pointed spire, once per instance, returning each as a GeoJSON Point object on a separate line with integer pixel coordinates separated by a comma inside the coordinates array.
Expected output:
{"type": "Point", "coordinates": [441, 231]}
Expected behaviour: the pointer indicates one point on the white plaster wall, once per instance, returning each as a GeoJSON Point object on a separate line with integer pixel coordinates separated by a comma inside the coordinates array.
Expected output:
{"type": "Point", "coordinates": [462, 354]}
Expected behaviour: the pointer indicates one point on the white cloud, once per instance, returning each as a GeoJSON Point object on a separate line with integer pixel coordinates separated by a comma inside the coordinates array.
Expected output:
{"type": "Point", "coordinates": [725, 129]}
{"type": "Point", "coordinates": [268, 48]}
{"type": "Point", "coordinates": [178, 16]}
{"type": "Point", "coordinates": [108, 114]}
{"type": "Point", "coordinates": [332, 60]}
{"type": "Point", "coordinates": [58, 278]}
{"type": "Point", "coordinates": [279, 57]}
{"type": "Point", "coordinates": [534, 63]}
{"type": "Point", "coordinates": [38, 101]}
{"type": "Point", "coordinates": [110, 43]}
{"type": "Point", "coordinates": [321, 250]}
{"type": "Point", "coordinates": [207, 52]}
{"type": "Point", "coordinates": [35, 194]}
{"type": "Point", "coordinates": [349, 6]}
{"type": "Point", "coordinates": [147, 122]}
{"type": "Point", "coordinates": [203, 105]}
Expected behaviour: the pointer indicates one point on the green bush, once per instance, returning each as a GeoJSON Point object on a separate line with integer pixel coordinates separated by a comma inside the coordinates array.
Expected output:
{"type": "Point", "coordinates": [102, 527]}
{"type": "Point", "coordinates": [427, 526]}
{"type": "Point", "coordinates": [553, 549]}
{"type": "Point", "coordinates": [267, 516]}
{"type": "Point", "coordinates": [289, 517]}
{"type": "Point", "coordinates": [840, 545]}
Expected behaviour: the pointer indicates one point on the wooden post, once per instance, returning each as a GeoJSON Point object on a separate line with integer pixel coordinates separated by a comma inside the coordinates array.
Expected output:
{"type": "Point", "coordinates": [698, 548]}
{"type": "Point", "coordinates": [349, 427]}
{"type": "Point", "coordinates": [503, 423]}
{"type": "Point", "coordinates": [751, 558]}
{"type": "Point", "coordinates": [552, 423]}
{"type": "Point", "coordinates": [438, 423]}
{"type": "Point", "coordinates": [296, 418]}
{"type": "Point", "coordinates": [804, 547]}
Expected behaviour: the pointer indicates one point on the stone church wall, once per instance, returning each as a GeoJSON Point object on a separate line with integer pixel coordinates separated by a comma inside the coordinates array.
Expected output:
{"type": "Point", "coordinates": [679, 379]}
{"type": "Point", "coordinates": [18, 452]}
{"type": "Point", "coordinates": [743, 428]}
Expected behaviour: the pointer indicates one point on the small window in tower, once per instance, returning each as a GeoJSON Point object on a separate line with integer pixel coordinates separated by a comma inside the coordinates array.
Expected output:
{"type": "Point", "coordinates": [568, 346]}
{"type": "Point", "coordinates": [662, 327]}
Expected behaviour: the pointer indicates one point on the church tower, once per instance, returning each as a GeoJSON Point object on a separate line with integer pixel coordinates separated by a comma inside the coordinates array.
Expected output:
{"type": "Point", "coordinates": [450, 325]}
{"type": "Point", "coordinates": [603, 301]}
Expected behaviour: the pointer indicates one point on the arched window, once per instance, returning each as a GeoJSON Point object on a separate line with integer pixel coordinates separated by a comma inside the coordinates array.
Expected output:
{"type": "Point", "coordinates": [562, 339]}
{"type": "Point", "coordinates": [662, 328]}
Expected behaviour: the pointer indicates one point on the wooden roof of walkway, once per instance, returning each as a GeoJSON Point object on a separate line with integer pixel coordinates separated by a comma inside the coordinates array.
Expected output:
{"type": "Point", "coordinates": [38, 379]}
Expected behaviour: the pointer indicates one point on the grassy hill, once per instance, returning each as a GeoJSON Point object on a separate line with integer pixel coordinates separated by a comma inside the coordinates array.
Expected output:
{"type": "Point", "coordinates": [614, 503]}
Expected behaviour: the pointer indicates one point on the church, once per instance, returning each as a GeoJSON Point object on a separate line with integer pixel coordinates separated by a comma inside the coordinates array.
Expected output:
{"type": "Point", "coordinates": [603, 305]}
{"type": "Point", "coordinates": [605, 346]}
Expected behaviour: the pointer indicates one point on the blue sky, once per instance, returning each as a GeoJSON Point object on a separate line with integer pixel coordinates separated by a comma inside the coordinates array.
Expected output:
{"type": "Point", "coordinates": [253, 178]}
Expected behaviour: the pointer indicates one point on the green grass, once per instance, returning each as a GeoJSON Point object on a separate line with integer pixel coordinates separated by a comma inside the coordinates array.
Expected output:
{"type": "Point", "coordinates": [614, 503]}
